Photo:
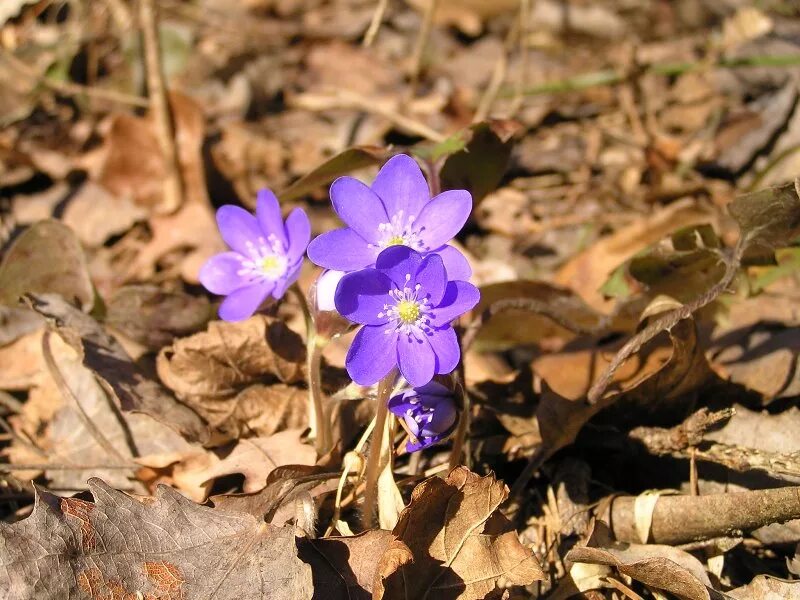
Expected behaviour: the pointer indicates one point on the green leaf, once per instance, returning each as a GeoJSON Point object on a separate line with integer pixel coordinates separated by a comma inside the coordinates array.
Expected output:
{"type": "Point", "coordinates": [343, 163]}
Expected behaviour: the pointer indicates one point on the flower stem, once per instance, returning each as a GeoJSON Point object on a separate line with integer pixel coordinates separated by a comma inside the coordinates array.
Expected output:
{"type": "Point", "coordinates": [319, 425]}
{"type": "Point", "coordinates": [373, 461]}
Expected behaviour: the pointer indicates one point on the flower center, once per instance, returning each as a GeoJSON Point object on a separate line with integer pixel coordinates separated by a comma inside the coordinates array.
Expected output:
{"type": "Point", "coordinates": [409, 312]}
{"type": "Point", "coordinates": [400, 231]}
{"type": "Point", "coordinates": [265, 260]}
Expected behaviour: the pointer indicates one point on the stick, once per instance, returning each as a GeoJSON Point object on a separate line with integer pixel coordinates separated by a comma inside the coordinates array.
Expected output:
{"type": "Point", "coordinates": [375, 24]}
{"type": "Point", "coordinates": [173, 184]}
{"type": "Point", "coordinates": [422, 41]}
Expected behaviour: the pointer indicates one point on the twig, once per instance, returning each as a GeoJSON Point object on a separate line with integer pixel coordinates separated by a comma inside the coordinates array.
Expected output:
{"type": "Point", "coordinates": [67, 392]}
{"type": "Point", "coordinates": [522, 76]}
{"type": "Point", "coordinates": [345, 99]}
{"type": "Point", "coordinates": [422, 41]}
{"type": "Point", "coordinates": [464, 418]}
{"type": "Point", "coordinates": [661, 441]}
{"type": "Point", "coordinates": [682, 519]}
{"type": "Point", "coordinates": [498, 76]}
{"type": "Point", "coordinates": [173, 183]}
{"type": "Point", "coordinates": [373, 461]}
{"type": "Point", "coordinates": [69, 88]}
{"type": "Point", "coordinates": [375, 24]}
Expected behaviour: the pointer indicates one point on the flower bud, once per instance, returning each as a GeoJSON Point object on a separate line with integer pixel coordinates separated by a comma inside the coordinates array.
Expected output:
{"type": "Point", "coordinates": [429, 413]}
{"type": "Point", "coordinates": [328, 322]}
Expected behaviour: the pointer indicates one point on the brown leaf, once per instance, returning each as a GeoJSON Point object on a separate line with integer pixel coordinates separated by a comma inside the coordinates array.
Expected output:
{"type": "Point", "coordinates": [154, 317]}
{"type": "Point", "coordinates": [224, 373]}
{"type": "Point", "coordinates": [256, 458]}
{"type": "Point", "coordinates": [461, 544]}
{"type": "Point", "coordinates": [344, 567]}
{"type": "Point", "coordinates": [662, 567]}
{"type": "Point", "coordinates": [768, 217]}
{"type": "Point", "coordinates": [767, 588]}
{"type": "Point", "coordinates": [46, 258]}
{"type": "Point", "coordinates": [163, 547]}
{"type": "Point", "coordinates": [94, 214]}
{"type": "Point", "coordinates": [104, 356]}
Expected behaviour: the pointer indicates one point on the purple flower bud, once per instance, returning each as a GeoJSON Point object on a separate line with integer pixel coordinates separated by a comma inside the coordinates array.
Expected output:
{"type": "Point", "coordinates": [406, 304]}
{"type": "Point", "coordinates": [429, 413]}
{"type": "Point", "coordinates": [265, 258]}
{"type": "Point", "coordinates": [396, 210]}
{"type": "Point", "coordinates": [328, 322]}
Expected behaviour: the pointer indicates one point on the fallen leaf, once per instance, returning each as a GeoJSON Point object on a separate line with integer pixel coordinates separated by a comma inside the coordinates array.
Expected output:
{"type": "Point", "coordinates": [764, 587]}
{"type": "Point", "coordinates": [74, 548]}
{"type": "Point", "coordinates": [460, 543]}
{"type": "Point", "coordinates": [46, 258]}
{"type": "Point", "coordinates": [256, 458]}
{"type": "Point", "coordinates": [94, 214]}
{"type": "Point", "coordinates": [104, 356]}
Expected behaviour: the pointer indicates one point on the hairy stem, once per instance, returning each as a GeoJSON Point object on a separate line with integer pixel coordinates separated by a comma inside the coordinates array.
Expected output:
{"type": "Point", "coordinates": [374, 459]}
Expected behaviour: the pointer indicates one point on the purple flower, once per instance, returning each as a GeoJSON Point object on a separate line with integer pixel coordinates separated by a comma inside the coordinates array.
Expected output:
{"type": "Point", "coordinates": [429, 413]}
{"type": "Point", "coordinates": [397, 210]}
{"type": "Point", "coordinates": [265, 257]}
{"type": "Point", "coordinates": [406, 304]}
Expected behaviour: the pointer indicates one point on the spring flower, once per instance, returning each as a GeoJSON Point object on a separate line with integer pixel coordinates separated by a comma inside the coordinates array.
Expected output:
{"type": "Point", "coordinates": [429, 414]}
{"type": "Point", "coordinates": [406, 304]}
{"type": "Point", "coordinates": [396, 210]}
{"type": "Point", "coordinates": [325, 290]}
{"type": "Point", "coordinates": [265, 257]}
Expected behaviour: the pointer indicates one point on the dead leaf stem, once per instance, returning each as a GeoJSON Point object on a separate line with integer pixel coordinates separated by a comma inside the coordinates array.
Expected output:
{"type": "Point", "coordinates": [422, 41]}
{"type": "Point", "coordinates": [164, 125]}
{"type": "Point", "coordinates": [374, 459]}
{"type": "Point", "coordinates": [375, 24]}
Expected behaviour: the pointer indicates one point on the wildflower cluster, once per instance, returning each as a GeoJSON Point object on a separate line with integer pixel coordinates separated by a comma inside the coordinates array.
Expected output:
{"type": "Point", "coordinates": [390, 270]}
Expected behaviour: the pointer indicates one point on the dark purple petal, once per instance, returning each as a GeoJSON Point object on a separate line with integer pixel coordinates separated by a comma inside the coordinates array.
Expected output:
{"type": "Point", "coordinates": [341, 250]}
{"type": "Point", "coordinates": [445, 346]}
{"type": "Point", "coordinates": [242, 303]}
{"type": "Point", "coordinates": [362, 295]}
{"type": "Point", "coordinates": [426, 442]}
{"type": "Point", "coordinates": [416, 359]}
{"type": "Point", "coordinates": [402, 186]}
{"type": "Point", "coordinates": [372, 355]}
{"type": "Point", "coordinates": [455, 263]}
{"type": "Point", "coordinates": [298, 232]}
{"type": "Point", "coordinates": [237, 227]}
{"type": "Point", "coordinates": [397, 262]}
{"type": "Point", "coordinates": [443, 217]}
{"type": "Point", "coordinates": [444, 417]}
{"type": "Point", "coordinates": [434, 388]}
{"type": "Point", "coordinates": [432, 278]}
{"type": "Point", "coordinates": [459, 297]}
{"type": "Point", "coordinates": [359, 207]}
{"type": "Point", "coordinates": [219, 275]}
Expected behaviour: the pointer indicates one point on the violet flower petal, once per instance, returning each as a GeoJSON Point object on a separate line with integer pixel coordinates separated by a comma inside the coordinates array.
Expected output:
{"type": "Point", "coordinates": [402, 186]}
{"type": "Point", "coordinates": [459, 297]}
{"type": "Point", "coordinates": [443, 217]}
{"type": "Point", "coordinates": [397, 262]}
{"type": "Point", "coordinates": [220, 273]}
{"type": "Point", "coordinates": [359, 207]}
{"type": "Point", "coordinates": [455, 263]}
{"type": "Point", "coordinates": [416, 359]}
{"type": "Point", "coordinates": [268, 213]}
{"type": "Point", "coordinates": [372, 355]}
{"type": "Point", "coordinates": [242, 303]}
{"type": "Point", "coordinates": [341, 250]}
{"type": "Point", "coordinates": [238, 227]}
{"type": "Point", "coordinates": [432, 278]}
{"type": "Point", "coordinates": [298, 232]}
{"type": "Point", "coordinates": [445, 346]}
{"type": "Point", "coordinates": [362, 295]}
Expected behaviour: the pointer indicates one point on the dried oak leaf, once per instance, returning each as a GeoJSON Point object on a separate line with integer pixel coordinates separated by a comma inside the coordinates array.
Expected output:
{"type": "Point", "coordinates": [106, 358]}
{"type": "Point", "coordinates": [767, 588]}
{"type": "Point", "coordinates": [256, 458]}
{"type": "Point", "coordinates": [162, 547]}
{"type": "Point", "coordinates": [46, 258]}
{"type": "Point", "coordinates": [238, 376]}
{"type": "Point", "coordinates": [662, 567]}
{"type": "Point", "coordinates": [457, 544]}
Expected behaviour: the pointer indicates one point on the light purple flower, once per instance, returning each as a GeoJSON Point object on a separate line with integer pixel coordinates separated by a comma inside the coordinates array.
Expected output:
{"type": "Point", "coordinates": [326, 289]}
{"type": "Point", "coordinates": [265, 257]}
{"type": "Point", "coordinates": [397, 210]}
{"type": "Point", "coordinates": [429, 413]}
{"type": "Point", "coordinates": [406, 304]}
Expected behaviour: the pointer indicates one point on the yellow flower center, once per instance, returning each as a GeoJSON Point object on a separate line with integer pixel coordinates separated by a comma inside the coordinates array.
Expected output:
{"type": "Point", "coordinates": [270, 264]}
{"type": "Point", "coordinates": [395, 240]}
{"type": "Point", "coordinates": [408, 311]}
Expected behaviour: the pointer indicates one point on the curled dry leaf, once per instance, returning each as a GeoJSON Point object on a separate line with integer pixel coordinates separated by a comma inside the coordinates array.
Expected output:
{"type": "Point", "coordinates": [163, 547]}
{"type": "Point", "coordinates": [106, 358]}
{"type": "Point", "coordinates": [662, 567]}
{"type": "Point", "coordinates": [238, 375]}
{"type": "Point", "coordinates": [767, 588]}
{"type": "Point", "coordinates": [456, 543]}
{"type": "Point", "coordinates": [256, 458]}
{"type": "Point", "coordinates": [46, 258]}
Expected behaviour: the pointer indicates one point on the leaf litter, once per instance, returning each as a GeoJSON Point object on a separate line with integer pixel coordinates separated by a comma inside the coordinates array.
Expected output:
{"type": "Point", "coordinates": [628, 395]}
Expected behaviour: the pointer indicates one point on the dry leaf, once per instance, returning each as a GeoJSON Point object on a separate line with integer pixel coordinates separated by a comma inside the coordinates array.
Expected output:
{"type": "Point", "coordinates": [163, 547]}
{"type": "Point", "coordinates": [460, 544]}
{"type": "Point", "coordinates": [767, 588]}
